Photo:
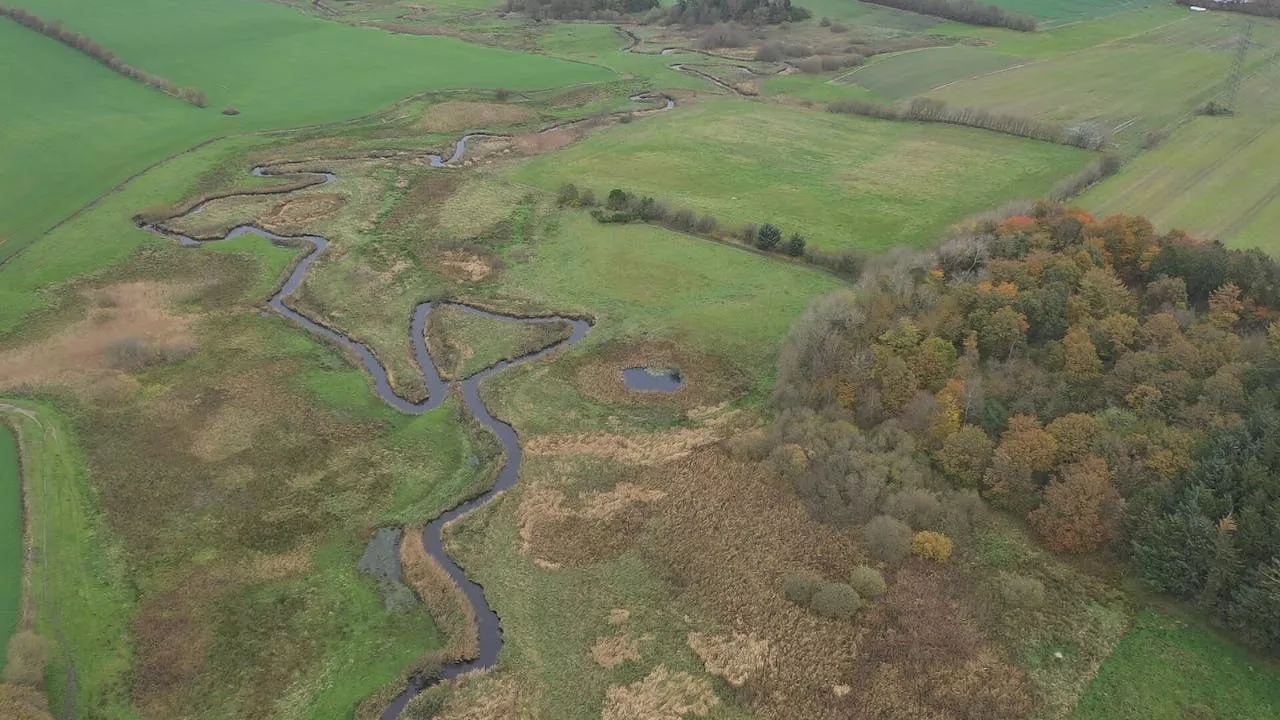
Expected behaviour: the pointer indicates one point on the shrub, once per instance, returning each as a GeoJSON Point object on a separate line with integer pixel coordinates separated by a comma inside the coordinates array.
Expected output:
{"type": "Point", "coordinates": [1021, 591]}
{"type": "Point", "coordinates": [501, 94]}
{"type": "Point", "coordinates": [749, 233]}
{"type": "Point", "coordinates": [722, 35]}
{"type": "Point", "coordinates": [796, 50]}
{"type": "Point", "coordinates": [932, 546]}
{"type": "Point", "coordinates": [867, 581]}
{"type": "Point", "coordinates": [838, 28]}
{"type": "Point", "coordinates": [684, 220]}
{"type": "Point", "coordinates": [825, 21]}
{"type": "Point", "coordinates": [28, 659]}
{"type": "Point", "coordinates": [888, 539]}
{"type": "Point", "coordinates": [768, 237]}
{"type": "Point", "coordinates": [799, 587]}
{"type": "Point", "coordinates": [625, 118]}
{"type": "Point", "coordinates": [587, 198]}
{"type": "Point", "coordinates": [917, 507]}
{"type": "Point", "coordinates": [836, 601]}
{"type": "Point", "coordinates": [618, 199]}
{"type": "Point", "coordinates": [795, 245]}
{"type": "Point", "coordinates": [128, 354]}
{"type": "Point", "coordinates": [567, 195]}
{"type": "Point", "coordinates": [231, 111]}
{"type": "Point", "coordinates": [769, 52]}
{"type": "Point", "coordinates": [707, 224]}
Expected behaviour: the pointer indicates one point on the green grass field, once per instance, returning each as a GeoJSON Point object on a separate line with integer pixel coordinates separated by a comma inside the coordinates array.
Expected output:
{"type": "Point", "coordinates": [261, 58]}
{"type": "Point", "coordinates": [10, 538]}
{"type": "Point", "coordinates": [846, 183]}
{"type": "Point", "coordinates": [917, 72]}
{"type": "Point", "coordinates": [1167, 669]}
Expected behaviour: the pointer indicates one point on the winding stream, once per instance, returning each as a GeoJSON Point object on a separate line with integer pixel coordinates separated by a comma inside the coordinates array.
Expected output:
{"type": "Point", "coordinates": [488, 622]}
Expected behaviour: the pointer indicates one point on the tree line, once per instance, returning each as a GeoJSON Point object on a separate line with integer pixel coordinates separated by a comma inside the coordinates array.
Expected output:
{"type": "Point", "coordinates": [621, 206]}
{"type": "Point", "coordinates": [683, 12]}
{"type": "Point", "coordinates": [965, 11]}
{"type": "Point", "coordinates": [1117, 388]}
{"type": "Point", "coordinates": [88, 46]}
{"type": "Point", "coordinates": [1086, 136]}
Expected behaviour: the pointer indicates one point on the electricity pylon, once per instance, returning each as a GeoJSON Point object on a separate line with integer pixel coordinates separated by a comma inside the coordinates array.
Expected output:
{"type": "Point", "coordinates": [1236, 74]}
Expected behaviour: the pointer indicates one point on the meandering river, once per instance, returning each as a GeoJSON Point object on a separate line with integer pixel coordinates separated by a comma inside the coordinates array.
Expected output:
{"type": "Point", "coordinates": [490, 625]}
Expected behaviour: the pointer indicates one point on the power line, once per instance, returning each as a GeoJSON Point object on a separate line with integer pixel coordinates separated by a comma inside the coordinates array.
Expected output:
{"type": "Point", "coordinates": [1232, 90]}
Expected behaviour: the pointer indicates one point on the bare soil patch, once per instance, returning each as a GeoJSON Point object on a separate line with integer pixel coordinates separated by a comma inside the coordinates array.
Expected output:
{"type": "Point", "coordinates": [456, 115]}
{"type": "Point", "coordinates": [125, 322]}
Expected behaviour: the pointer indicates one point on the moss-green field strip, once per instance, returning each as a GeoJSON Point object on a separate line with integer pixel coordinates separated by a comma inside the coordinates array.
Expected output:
{"type": "Point", "coordinates": [845, 182]}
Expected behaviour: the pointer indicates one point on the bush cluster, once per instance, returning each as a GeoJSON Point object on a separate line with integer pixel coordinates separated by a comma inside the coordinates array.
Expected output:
{"type": "Point", "coordinates": [621, 206]}
{"type": "Point", "coordinates": [932, 546]}
{"type": "Point", "coordinates": [930, 110]}
{"type": "Point", "coordinates": [833, 600]}
{"type": "Point", "coordinates": [88, 46]}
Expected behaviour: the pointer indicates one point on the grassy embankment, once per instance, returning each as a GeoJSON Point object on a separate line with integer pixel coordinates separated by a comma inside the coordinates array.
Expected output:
{"type": "Point", "coordinates": [845, 183]}
{"type": "Point", "coordinates": [10, 537]}
{"type": "Point", "coordinates": [260, 58]}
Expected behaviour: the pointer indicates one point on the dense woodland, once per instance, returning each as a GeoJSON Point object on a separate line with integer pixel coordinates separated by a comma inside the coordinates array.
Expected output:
{"type": "Point", "coordinates": [90, 47]}
{"type": "Point", "coordinates": [965, 11]}
{"type": "Point", "coordinates": [1117, 388]}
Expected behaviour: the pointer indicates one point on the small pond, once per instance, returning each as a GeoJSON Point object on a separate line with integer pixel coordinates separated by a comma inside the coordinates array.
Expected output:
{"type": "Point", "coordinates": [666, 380]}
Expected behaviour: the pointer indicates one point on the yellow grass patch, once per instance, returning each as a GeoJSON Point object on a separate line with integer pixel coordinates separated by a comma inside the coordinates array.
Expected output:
{"type": "Point", "coordinates": [136, 313]}
{"type": "Point", "coordinates": [442, 596]}
{"type": "Point", "coordinates": [736, 658]}
{"type": "Point", "coordinates": [281, 566]}
{"type": "Point", "coordinates": [643, 449]}
{"type": "Point", "coordinates": [455, 116]}
{"type": "Point", "coordinates": [662, 695]}
{"type": "Point", "coordinates": [557, 534]}
{"type": "Point", "coordinates": [619, 616]}
{"type": "Point", "coordinates": [545, 142]}
{"type": "Point", "coordinates": [499, 700]}
{"type": "Point", "coordinates": [610, 652]}
{"type": "Point", "coordinates": [463, 265]}
{"type": "Point", "coordinates": [23, 702]}
{"type": "Point", "coordinates": [289, 216]}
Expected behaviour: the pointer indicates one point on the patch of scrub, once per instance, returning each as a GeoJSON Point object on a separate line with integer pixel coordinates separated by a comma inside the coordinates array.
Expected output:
{"type": "Point", "coordinates": [10, 539]}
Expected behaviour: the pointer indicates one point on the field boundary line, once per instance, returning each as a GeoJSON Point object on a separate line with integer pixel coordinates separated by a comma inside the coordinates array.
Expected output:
{"type": "Point", "coordinates": [117, 188]}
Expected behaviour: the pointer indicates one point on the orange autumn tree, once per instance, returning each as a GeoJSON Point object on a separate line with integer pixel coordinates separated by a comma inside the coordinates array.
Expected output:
{"type": "Point", "coordinates": [1081, 509]}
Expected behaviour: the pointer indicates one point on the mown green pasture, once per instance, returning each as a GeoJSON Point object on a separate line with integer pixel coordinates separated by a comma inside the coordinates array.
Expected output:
{"type": "Point", "coordinates": [10, 538]}
{"type": "Point", "coordinates": [918, 71]}
{"type": "Point", "coordinates": [844, 182]}
{"type": "Point", "coordinates": [73, 129]}
{"type": "Point", "coordinates": [1168, 669]}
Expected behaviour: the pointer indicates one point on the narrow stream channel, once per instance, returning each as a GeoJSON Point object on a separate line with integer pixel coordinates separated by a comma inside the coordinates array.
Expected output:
{"type": "Point", "coordinates": [489, 624]}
